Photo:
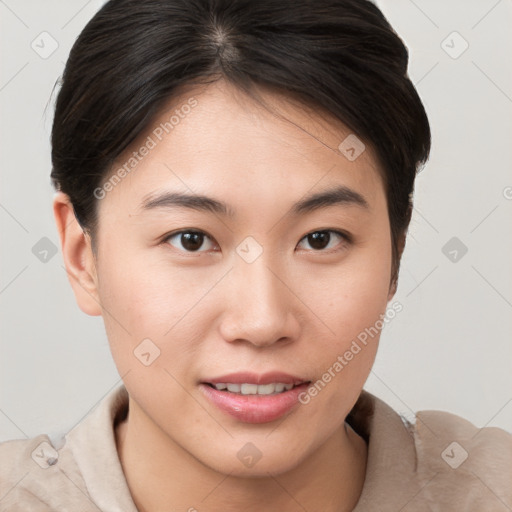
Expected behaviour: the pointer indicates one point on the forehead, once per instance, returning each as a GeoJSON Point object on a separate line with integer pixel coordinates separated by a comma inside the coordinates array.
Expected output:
{"type": "Point", "coordinates": [220, 137]}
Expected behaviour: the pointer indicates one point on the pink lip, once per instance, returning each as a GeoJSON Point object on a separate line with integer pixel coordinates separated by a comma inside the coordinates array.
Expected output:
{"type": "Point", "coordinates": [255, 408]}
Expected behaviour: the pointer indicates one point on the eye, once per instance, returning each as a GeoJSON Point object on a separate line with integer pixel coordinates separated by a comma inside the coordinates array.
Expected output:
{"type": "Point", "coordinates": [321, 240]}
{"type": "Point", "coordinates": [190, 240]}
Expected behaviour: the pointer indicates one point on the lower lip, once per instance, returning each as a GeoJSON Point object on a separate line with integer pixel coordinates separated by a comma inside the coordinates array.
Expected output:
{"type": "Point", "coordinates": [254, 408]}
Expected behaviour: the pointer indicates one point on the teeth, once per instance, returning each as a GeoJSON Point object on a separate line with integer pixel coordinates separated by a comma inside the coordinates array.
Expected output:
{"type": "Point", "coordinates": [254, 389]}
{"type": "Point", "coordinates": [249, 389]}
{"type": "Point", "coordinates": [266, 389]}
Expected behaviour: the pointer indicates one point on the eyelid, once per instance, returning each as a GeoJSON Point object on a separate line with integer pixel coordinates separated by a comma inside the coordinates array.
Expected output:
{"type": "Point", "coordinates": [347, 237]}
{"type": "Point", "coordinates": [165, 238]}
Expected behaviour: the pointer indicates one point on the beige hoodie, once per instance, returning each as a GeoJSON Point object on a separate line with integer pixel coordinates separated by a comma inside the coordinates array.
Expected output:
{"type": "Point", "coordinates": [442, 463]}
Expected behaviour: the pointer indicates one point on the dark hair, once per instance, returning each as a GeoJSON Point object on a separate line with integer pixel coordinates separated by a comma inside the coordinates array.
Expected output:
{"type": "Point", "coordinates": [340, 56]}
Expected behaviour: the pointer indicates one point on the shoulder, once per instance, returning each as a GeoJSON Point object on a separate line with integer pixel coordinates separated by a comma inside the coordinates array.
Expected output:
{"type": "Point", "coordinates": [79, 470]}
{"type": "Point", "coordinates": [14, 451]}
{"type": "Point", "coordinates": [36, 476]}
{"type": "Point", "coordinates": [439, 462]}
{"type": "Point", "coordinates": [461, 460]}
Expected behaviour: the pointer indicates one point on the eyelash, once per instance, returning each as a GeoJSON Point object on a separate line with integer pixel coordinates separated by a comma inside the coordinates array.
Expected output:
{"type": "Point", "coordinates": [346, 239]}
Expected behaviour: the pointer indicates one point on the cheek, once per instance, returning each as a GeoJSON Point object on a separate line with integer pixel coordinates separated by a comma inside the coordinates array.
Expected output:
{"type": "Point", "coordinates": [144, 297]}
{"type": "Point", "coordinates": [147, 299]}
{"type": "Point", "coordinates": [356, 294]}
{"type": "Point", "coordinates": [352, 303]}
{"type": "Point", "coordinates": [366, 295]}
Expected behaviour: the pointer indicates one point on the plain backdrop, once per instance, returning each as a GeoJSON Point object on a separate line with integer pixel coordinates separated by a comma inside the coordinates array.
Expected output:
{"type": "Point", "coordinates": [450, 347]}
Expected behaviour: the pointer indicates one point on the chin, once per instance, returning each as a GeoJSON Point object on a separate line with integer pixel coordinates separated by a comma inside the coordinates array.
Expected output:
{"type": "Point", "coordinates": [255, 459]}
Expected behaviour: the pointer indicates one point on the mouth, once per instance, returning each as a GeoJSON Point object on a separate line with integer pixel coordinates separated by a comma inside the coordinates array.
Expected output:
{"type": "Point", "coordinates": [246, 388]}
{"type": "Point", "coordinates": [252, 398]}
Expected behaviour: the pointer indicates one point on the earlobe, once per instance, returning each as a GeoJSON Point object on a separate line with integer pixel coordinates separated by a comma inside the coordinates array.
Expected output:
{"type": "Point", "coordinates": [394, 280]}
{"type": "Point", "coordinates": [78, 256]}
{"type": "Point", "coordinates": [392, 289]}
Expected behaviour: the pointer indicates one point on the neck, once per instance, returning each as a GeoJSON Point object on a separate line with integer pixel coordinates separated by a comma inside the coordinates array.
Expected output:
{"type": "Point", "coordinates": [330, 479]}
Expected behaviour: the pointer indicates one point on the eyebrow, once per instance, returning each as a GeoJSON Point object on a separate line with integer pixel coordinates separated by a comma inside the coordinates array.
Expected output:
{"type": "Point", "coordinates": [340, 195]}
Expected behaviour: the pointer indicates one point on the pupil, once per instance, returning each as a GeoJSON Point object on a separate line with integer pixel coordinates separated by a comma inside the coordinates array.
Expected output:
{"type": "Point", "coordinates": [319, 240]}
{"type": "Point", "coordinates": [191, 241]}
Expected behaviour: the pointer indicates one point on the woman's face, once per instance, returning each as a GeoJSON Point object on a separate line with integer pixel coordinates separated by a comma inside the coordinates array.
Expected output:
{"type": "Point", "coordinates": [262, 288]}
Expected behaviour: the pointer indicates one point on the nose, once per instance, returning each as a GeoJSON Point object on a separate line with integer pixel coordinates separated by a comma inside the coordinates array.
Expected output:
{"type": "Point", "coordinates": [261, 309]}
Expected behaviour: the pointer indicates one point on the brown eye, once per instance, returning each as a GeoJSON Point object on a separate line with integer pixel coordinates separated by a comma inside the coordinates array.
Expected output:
{"type": "Point", "coordinates": [188, 241]}
{"type": "Point", "coordinates": [321, 240]}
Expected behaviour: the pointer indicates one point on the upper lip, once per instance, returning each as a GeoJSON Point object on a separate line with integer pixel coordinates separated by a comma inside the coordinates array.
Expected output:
{"type": "Point", "coordinates": [255, 378]}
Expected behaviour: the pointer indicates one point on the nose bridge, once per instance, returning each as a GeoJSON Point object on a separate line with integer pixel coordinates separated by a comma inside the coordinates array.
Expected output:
{"type": "Point", "coordinates": [258, 283]}
{"type": "Point", "coordinates": [259, 309]}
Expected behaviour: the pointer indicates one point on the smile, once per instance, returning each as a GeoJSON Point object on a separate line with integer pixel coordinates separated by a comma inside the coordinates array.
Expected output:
{"type": "Point", "coordinates": [254, 389]}
{"type": "Point", "coordinates": [254, 398]}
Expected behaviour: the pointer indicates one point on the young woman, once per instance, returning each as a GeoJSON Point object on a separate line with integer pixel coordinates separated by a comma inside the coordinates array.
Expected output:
{"type": "Point", "coordinates": [234, 186]}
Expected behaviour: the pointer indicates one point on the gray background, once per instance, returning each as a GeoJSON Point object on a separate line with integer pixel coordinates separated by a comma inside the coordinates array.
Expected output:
{"type": "Point", "coordinates": [449, 349]}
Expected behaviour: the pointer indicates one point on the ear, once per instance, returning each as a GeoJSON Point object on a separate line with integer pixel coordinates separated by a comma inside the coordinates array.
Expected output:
{"type": "Point", "coordinates": [394, 281]}
{"type": "Point", "coordinates": [78, 256]}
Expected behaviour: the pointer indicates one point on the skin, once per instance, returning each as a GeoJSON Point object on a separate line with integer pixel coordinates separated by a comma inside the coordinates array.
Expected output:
{"type": "Point", "coordinates": [294, 309]}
